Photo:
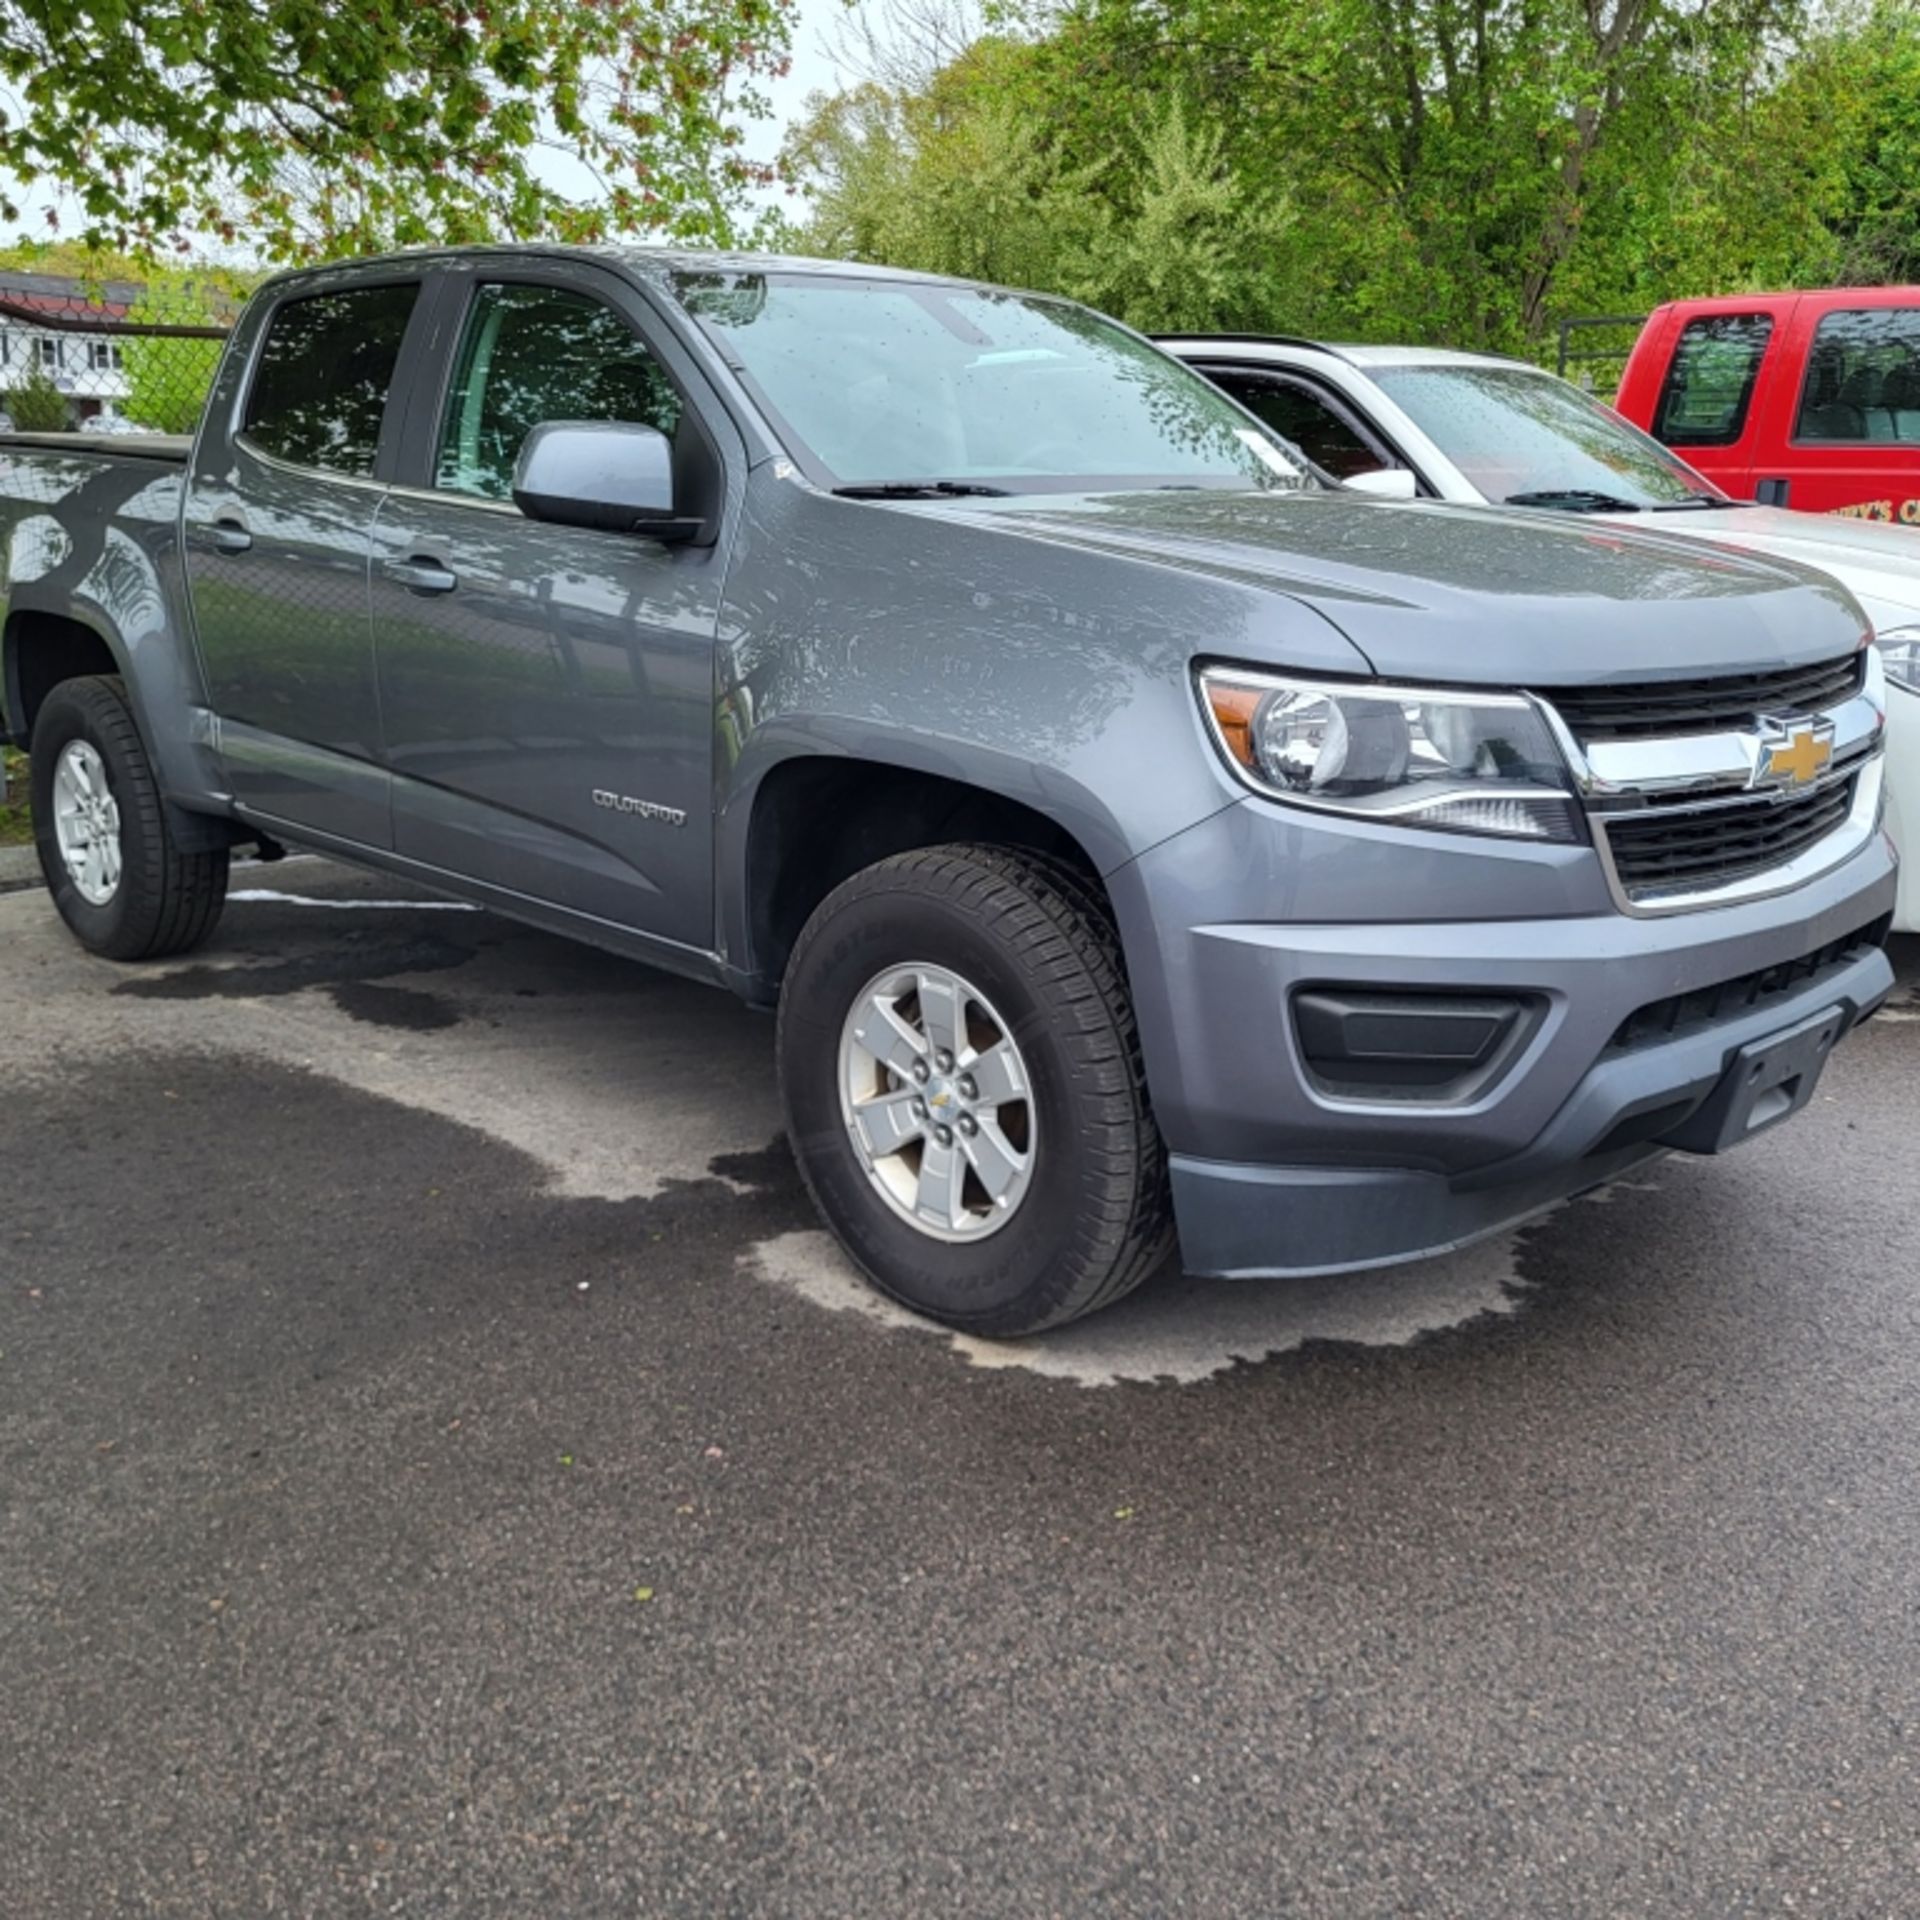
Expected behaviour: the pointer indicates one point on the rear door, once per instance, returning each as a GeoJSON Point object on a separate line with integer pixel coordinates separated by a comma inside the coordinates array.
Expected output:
{"type": "Point", "coordinates": [1846, 424]}
{"type": "Point", "coordinates": [280, 505]}
{"type": "Point", "coordinates": [547, 691]}
{"type": "Point", "coordinates": [1713, 394]}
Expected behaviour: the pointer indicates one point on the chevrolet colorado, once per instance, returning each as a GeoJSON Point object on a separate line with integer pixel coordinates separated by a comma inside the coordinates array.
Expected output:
{"type": "Point", "coordinates": [1135, 833]}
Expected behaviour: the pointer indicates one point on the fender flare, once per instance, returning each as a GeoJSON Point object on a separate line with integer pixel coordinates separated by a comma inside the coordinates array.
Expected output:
{"type": "Point", "coordinates": [193, 831]}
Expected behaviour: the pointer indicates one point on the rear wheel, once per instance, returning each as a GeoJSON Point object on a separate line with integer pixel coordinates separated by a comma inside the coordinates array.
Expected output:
{"type": "Point", "coordinates": [964, 1094]}
{"type": "Point", "coordinates": [118, 877]}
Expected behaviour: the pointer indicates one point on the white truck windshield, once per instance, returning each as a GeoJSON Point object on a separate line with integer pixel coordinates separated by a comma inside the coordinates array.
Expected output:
{"type": "Point", "coordinates": [1529, 438]}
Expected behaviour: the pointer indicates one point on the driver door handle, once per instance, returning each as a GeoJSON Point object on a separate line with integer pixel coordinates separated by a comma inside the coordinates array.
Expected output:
{"type": "Point", "coordinates": [229, 536]}
{"type": "Point", "coordinates": [421, 574]}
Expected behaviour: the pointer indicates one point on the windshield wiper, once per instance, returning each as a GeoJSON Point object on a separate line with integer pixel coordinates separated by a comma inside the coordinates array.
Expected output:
{"type": "Point", "coordinates": [1700, 503]}
{"type": "Point", "coordinates": [1574, 500]}
{"type": "Point", "coordinates": [921, 490]}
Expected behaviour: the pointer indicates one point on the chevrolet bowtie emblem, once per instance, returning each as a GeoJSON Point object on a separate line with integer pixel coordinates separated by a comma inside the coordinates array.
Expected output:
{"type": "Point", "coordinates": [1802, 756]}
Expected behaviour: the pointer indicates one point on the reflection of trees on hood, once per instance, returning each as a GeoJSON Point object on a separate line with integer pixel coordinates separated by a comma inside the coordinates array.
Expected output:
{"type": "Point", "coordinates": [955, 637]}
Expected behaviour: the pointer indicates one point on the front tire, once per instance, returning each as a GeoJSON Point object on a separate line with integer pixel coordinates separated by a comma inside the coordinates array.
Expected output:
{"type": "Point", "coordinates": [964, 1095]}
{"type": "Point", "coordinates": [118, 877]}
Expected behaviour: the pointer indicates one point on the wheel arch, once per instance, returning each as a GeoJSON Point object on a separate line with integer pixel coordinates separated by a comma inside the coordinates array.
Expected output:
{"type": "Point", "coordinates": [42, 647]}
{"type": "Point", "coordinates": [39, 648]}
{"type": "Point", "coordinates": [811, 819]}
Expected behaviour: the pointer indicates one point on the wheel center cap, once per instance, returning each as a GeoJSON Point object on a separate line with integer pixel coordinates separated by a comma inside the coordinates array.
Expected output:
{"type": "Point", "coordinates": [940, 1094]}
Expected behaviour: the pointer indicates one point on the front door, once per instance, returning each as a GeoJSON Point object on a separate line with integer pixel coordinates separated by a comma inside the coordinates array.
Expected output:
{"type": "Point", "coordinates": [547, 691]}
{"type": "Point", "coordinates": [278, 523]}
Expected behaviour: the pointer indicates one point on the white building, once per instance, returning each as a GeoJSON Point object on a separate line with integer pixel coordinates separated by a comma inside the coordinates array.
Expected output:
{"type": "Point", "coordinates": [43, 321]}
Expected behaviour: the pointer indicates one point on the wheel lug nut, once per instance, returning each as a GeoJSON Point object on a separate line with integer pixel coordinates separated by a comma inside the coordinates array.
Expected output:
{"type": "Point", "coordinates": [944, 1135]}
{"type": "Point", "coordinates": [919, 1108]}
{"type": "Point", "coordinates": [920, 1071]}
{"type": "Point", "coordinates": [968, 1089]}
{"type": "Point", "coordinates": [969, 1125]}
{"type": "Point", "coordinates": [944, 1061]}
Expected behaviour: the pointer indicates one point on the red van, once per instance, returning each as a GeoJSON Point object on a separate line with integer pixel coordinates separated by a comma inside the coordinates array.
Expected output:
{"type": "Point", "coordinates": [1808, 400]}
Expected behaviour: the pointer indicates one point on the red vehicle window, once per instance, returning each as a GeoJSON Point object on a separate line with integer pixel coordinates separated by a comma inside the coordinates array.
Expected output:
{"type": "Point", "coordinates": [1709, 385]}
{"type": "Point", "coordinates": [1862, 383]}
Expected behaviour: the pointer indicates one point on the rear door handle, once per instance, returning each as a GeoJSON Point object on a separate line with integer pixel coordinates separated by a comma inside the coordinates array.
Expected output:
{"type": "Point", "coordinates": [421, 574]}
{"type": "Point", "coordinates": [229, 536]}
{"type": "Point", "coordinates": [1772, 493]}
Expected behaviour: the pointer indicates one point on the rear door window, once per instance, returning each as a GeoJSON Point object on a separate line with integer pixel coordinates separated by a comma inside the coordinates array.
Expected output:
{"type": "Point", "coordinates": [1709, 386]}
{"type": "Point", "coordinates": [1862, 381]}
{"type": "Point", "coordinates": [1323, 432]}
{"type": "Point", "coordinates": [320, 387]}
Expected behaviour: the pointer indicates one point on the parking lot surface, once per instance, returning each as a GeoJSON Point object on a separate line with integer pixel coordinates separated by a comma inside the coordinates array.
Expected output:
{"type": "Point", "coordinates": [445, 1470]}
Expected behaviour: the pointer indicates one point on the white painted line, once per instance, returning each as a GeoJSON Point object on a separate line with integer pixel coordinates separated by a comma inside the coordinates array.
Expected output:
{"type": "Point", "coordinates": [256, 894]}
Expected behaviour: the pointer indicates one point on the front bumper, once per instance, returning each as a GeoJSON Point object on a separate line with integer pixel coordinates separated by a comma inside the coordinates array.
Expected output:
{"type": "Point", "coordinates": [1903, 801]}
{"type": "Point", "coordinates": [1272, 1174]}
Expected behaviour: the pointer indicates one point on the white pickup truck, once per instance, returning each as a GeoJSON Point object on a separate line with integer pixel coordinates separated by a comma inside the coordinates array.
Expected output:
{"type": "Point", "coordinates": [1476, 428]}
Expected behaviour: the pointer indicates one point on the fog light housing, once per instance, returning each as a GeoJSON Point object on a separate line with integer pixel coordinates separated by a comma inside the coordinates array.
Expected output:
{"type": "Point", "coordinates": [1440, 1049]}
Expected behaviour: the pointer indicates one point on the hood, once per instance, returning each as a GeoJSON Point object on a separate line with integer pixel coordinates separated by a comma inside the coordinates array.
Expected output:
{"type": "Point", "coordinates": [1879, 564]}
{"type": "Point", "coordinates": [1469, 595]}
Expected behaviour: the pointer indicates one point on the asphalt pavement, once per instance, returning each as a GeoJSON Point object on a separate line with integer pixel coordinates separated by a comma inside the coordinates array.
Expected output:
{"type": "Point", "coordinates": [444, 1470]}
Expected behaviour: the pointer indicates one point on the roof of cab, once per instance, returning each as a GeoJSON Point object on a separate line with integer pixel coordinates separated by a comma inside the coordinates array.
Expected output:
{"type": "Point", "coordinates": [1357, 354]}
{"type": "Point", "coordinates": [659, 263]}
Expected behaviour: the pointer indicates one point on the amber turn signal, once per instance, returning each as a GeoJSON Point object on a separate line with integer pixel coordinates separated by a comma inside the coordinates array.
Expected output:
{"type": "Point", "coordinates": [1233, 711]}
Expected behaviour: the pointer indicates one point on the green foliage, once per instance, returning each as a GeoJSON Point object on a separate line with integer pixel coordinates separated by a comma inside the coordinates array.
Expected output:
{"type": "Point", "coordinates": [16, 811]}
{"type": "Point", "coordinates": [168, 375]}
{"type": "Point", "coordinates": [298, 126]}
{"type": "Point", "coordinates": [36, 405]}
{"type": "Point", "coordinates": [1446, 170]}
{"type": "Point", "coordinates": [967, 180]}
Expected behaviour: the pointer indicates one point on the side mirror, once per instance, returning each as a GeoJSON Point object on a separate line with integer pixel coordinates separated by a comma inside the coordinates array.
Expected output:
{"type": "Point", "coordinates": [606, 474]}
{"type": "Point", "coordinates": [1388, 483]}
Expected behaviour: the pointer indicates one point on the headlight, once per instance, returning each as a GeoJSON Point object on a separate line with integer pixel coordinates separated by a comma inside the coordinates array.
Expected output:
{"type": "Point", "coordinates": [1463, 762]}
{"type": "Point", "coordinates": [1899, 649]}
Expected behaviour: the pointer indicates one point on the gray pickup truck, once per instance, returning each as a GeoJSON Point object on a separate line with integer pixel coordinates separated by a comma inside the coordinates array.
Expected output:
{"type": "Point", "coordinates": [1135, 832]}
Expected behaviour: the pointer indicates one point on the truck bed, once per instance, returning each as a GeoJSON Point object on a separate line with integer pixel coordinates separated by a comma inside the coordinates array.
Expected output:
{"type": "Point", "coordinates": [169, 448]}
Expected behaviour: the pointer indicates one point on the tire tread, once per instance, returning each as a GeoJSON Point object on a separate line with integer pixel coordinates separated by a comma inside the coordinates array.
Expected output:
{"type": "Point", "coordinates": [175, 897]}
{"type": "Point", "coordinates": [1049, 915]}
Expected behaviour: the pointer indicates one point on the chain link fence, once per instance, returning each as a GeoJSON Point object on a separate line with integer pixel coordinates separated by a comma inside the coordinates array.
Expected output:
{"type": "Point", "coordinates": [113, 357]}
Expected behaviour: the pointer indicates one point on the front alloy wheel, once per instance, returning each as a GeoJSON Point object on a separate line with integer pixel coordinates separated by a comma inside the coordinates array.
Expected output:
{"type": "Point", "coordinates": [964, 1092]}
{"type": "Point", "coordinates": [937, 1100]}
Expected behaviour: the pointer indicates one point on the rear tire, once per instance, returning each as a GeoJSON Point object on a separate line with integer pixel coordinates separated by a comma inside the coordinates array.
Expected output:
{"type": "Point", "coordinates": [117, 875]}
{"type": "Point", "coordinates": [1066, 1206]}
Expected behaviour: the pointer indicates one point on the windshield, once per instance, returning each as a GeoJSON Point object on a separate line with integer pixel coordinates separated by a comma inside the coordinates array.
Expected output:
{"type": "Point", "coordinates": [1511, 430]}
{"type": "Point", "coordinates": [874, 383]}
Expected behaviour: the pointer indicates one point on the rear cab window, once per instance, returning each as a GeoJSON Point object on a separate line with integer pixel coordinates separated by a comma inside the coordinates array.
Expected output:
{"type": "Point", "coordinates": [1708, 390]}
{"type": "Point", "coordinates": [1862, 379]}
{"type": "Point", "coordinates": [325, 368]}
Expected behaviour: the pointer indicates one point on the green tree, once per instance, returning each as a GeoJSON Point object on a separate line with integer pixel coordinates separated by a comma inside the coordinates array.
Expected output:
{"type": "Point", "coordinates": [168, 375]}
{"type": "Point", "coordinates": [36, 405]}
{"type": "Point", "coordinates": [1461, 171]}
{"type": "Point", "coordinates": [966, 177]}
{"type": "Point", "coordinates": [291, 125]}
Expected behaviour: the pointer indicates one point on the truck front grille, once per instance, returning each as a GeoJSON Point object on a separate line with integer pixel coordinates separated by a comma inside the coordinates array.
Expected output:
{"type": "Point", "coordinates": [1694, 849]}
{"type": "Point", "coordinates": [1647, 709]}
{"type": "Point", "coordinates": [1701, 793]}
